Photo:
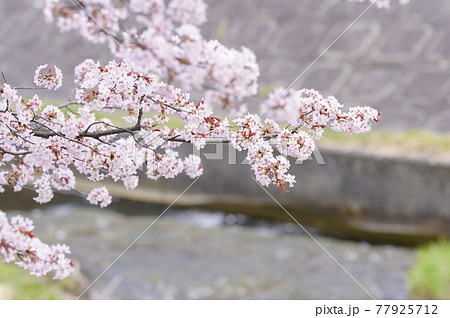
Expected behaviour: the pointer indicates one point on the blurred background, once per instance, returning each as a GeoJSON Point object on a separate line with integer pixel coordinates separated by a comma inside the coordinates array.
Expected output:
{"type": "Point", "coordinates": [374, 205]}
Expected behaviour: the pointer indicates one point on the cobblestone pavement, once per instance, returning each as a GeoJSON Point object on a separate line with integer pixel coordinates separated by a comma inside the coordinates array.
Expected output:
{"type": "Point", "coordinates": [397, 60]}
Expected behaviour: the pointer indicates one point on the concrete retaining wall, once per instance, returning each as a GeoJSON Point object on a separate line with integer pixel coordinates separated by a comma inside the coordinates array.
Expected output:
{"type": "Point", "coordinates": [357, 194]}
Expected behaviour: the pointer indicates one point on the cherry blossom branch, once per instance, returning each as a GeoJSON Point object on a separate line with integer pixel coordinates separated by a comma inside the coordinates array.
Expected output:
{"type": "Point", "coordinates": [228, 75]}
{"type": "Point", "coordinates": [120, 156]}
{"type": "Point", "coordinates": [69, 103]}
{"type": "Point", "coordinates": [15, 153]}
{"type": "Point", "coordinates": [43, 146]}
{"type": "Point", "coordinates": [213, 140]}
{"type": "Point", "coordinates": [17, 240]}
{"type": "Point", "coordinates": [29, 88]}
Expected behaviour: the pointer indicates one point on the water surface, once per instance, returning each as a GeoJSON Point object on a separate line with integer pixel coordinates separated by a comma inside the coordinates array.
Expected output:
{"type": "Point", "coordinates": [193, 254]}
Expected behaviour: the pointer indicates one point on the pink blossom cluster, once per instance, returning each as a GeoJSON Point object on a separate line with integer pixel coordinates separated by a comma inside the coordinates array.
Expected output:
{"type": "Point", "coordinates": [193, 166]}
{"type": "Point", "coordinates": [310, 109]}
{"type": "Point", "coordinates": [298, 144]}
{"type": "Point", "coordinates": [18, 243]}
{"type": "Point", "coordinates": [99, 196]}
{"type": "Point", "coordinates": [381, 4]}
{"type": "Point", "coordinates": [44, 146]}
{"type": "Point", "coordinates": [47, 78]}
{"type": "Point", "coordinates": [164, 39]}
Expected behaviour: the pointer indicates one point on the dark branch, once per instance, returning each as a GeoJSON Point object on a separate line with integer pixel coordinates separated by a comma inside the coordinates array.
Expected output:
{"type": "Point", "coordinates": [69, 103]}
{"type": "Point", "coordinates": [15, 153]}
{"type": "Point", "coordinates": [97, 134]}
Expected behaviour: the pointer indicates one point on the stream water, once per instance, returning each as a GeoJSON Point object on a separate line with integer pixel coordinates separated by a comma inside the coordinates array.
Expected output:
{"type": "Point", "coordinates": [193, 254]}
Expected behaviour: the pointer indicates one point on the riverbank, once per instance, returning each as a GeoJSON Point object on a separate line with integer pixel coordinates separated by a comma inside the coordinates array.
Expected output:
{"type": "Point", "coordinates": [379, 196]}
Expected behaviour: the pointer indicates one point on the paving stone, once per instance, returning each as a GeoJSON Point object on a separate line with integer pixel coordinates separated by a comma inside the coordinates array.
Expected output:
{"type": "Point", "coordinates": [292, 43]}
{"type": "Point", "coordinates": [439, 123]}
{"type": "Point", "coordinates": [440, 48]}
{"type": "Point", "coordinates": [427, 86]}
{"type": "Point", "coordinates": [401, 121]}
{"type": "Point", "coordinates": [429, 9]}
{"type": "Point", "coordinates": [405, 43]}
{"type": "Point", "coordinates": [351, 44]}
{"type": "Point", "coordinates": [326, 78]}
{"type": "Point", "coordinates": [374, 83]}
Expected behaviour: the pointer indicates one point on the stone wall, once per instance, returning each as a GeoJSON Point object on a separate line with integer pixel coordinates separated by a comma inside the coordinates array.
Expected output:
{"type": "Point", "coordinates": [397, 60]}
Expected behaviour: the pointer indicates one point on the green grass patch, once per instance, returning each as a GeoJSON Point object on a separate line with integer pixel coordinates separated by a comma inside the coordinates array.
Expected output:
{"type": "Point", "coordinates": [16, 283]}
{"type": "Point", "coordinates": [429, 278]}
{"type": "Point", "coordinates": [265, 90]}
{"type": "Point", "coordinates": [411, 141]}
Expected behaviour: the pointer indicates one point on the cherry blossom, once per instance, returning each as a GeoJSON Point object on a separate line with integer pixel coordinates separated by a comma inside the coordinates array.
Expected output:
{"type": "Point", "coordinates": [163, 61]}
{"type": "Point", "coordinates": [164, 38]}
{"type": "Point", "coordinates": [193, 166]}
{"type": "Point", "coordinates": [298, 144]}
{"type": "Point", "coordinates": [45, 146]}
{"type": "Point", "coordinates": [9, 93]}
{"type": "Point", "coordinates": [19, 244]}
{"type": "Point", "coordinates": [99, 196]}
{"type": "Point", "coordinates": [47, 78]}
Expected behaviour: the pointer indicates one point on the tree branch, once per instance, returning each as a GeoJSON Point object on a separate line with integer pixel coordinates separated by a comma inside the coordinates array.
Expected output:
{"type": "Point", "coordinates": [14, 153]}
{"type": "Point", "coordinates": [213, 140]}
{"type": "Point", "coordinates": [69, 103]}
{"type": "Point", "coordinates": [97, 134]}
